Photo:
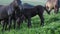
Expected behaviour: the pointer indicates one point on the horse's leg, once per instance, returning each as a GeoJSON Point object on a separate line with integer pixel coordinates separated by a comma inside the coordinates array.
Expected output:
{"type": "Point", "coordinates": [6, 24]}
{"type": "Point", "coordinates": [56, 9]}
{"type": "Point", "coordinates": [3, 24]}
{"type": "Point", "coordinates": [40, 13]}
{"type": "Point", "coordinates": [14, 24]}
{"type": "Point", "coordinates": [10, 22]}
{"type": "Point", "coordinates": [29, 21]}
{"type": "Point", "coordinates": [41, 17]}
{"type": "Point", "coordinates": [14, 21]}
{"type": "Point", "coordinates": [23, 18]}
{"type": "Point", "coordinates": [42, 20]}
{"type": "Point", "coordinates": [19, 22]}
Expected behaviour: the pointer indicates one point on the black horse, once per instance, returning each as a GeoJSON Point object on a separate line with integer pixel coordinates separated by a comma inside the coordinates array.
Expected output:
{"type": "Point", "coordinates": [19, 20]}
{"type": "Point", "coordinates": [33, 11]}
{"type": "Point", "coordinates": [8, 11]}
{"type": "Point", "coordinates": [16, 4]}
{"type": "Point", "coordinates": [26, 5]}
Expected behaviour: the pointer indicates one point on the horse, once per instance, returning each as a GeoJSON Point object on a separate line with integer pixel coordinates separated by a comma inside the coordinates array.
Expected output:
{"type": "Point", "coordinates": [16, 4]}
{"type": "Point", "coordinates": [19, 20]}
{"type": "Point", "coordinates": [26, 5]}
{"type": "Point", "coordinates": [7, 12]}
{"type": "Point", "coordinates": [52, 4]}
{"type": "Point", "coordinates": [33, 11]}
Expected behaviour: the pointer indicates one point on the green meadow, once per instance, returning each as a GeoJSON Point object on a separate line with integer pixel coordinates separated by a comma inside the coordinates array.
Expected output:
{"type": "Point", "coordinates": [51, 23]}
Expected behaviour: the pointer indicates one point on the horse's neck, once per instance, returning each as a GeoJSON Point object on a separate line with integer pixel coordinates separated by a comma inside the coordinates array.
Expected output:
{"type": "Point", "coordinates": [10, 6]}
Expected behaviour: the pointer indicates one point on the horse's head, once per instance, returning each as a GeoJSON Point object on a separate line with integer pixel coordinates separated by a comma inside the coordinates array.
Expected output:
{"type": "Point", "coordinates": [18, 3]}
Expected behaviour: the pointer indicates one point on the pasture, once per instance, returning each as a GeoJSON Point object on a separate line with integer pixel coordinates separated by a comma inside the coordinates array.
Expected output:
{"type": "Point", "coordinates": [52, 22]}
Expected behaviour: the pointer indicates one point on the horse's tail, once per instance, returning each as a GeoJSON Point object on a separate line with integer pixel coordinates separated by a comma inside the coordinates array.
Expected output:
{"type": "Point", "coordinates": [46, 10]}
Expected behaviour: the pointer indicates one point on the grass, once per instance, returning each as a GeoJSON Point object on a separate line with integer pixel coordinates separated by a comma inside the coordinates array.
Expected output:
{"type": "Point", "coordinates": [52, 23]}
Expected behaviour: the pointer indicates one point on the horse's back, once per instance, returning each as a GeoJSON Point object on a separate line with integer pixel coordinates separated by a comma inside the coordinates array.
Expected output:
{"type": "Point", "coordinates": [1, 5]}
{"type": "Point", "coordinates": [26, 5]}
{"type": "Point", "coordinates": [3, 12]}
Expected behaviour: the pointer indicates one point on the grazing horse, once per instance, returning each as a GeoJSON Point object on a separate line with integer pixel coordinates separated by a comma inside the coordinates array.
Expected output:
{"type": "Point", "coordinates": [7, 12]}
{"type": "Point", "coordinates": [19, 20]}
{"type": "Point", "coordinates": [26, 5]}
{"type": "Point", "coordinates": [52, 4]}
{"type": "Point", "coordinates": [33, 11]}
{"type": "Point", "coordinates": [16, 4]}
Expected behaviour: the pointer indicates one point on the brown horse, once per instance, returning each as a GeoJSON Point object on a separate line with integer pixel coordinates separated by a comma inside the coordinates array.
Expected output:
{"type": "Point", "coordinates": [33, 11]}
{"type": "Point", "coordinates": [52, 4]}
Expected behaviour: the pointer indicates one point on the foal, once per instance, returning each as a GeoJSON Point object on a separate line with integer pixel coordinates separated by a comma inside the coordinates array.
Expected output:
{"type": "Point", "coordinates": [31, 12]}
